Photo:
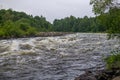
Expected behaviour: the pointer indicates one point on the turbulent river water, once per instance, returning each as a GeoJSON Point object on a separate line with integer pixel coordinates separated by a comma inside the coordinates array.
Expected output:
{"type": "Point", "coordinates": [53, 58]}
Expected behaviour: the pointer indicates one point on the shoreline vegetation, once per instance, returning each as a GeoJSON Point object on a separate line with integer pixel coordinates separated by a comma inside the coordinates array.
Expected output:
{"type": "Point", "coordinates": [41, 34]}
{"type": "Point", "coordinates": [49, 34]}
{"type": "Point", "coordinates": [15, 24]}
{"type": "Point", "coordinates": [111, 72]}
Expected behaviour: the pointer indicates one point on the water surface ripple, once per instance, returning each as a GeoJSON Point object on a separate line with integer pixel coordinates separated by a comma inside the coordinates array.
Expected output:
{"type": "Point", "coordinates": [53, 58]}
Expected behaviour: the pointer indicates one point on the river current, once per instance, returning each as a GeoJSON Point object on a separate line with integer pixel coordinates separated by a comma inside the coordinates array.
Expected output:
{"type": "Point", "coordinates": [54, 58]}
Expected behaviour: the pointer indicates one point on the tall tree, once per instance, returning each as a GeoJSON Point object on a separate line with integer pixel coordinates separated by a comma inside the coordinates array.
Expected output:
{"type": "Point", "coordinates": [102, 6]}
{"type": "Point", "coordinates": [109, 11]}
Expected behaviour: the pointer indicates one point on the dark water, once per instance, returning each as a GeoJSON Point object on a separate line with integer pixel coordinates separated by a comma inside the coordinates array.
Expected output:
{"type": "Point", "coordinates": [53, 58]}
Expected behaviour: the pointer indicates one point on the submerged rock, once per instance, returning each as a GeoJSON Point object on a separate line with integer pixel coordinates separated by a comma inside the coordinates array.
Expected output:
{"type": "Point", "coordinates": [116, 78]}
{"type": "Point", "coordinates": [88, 75]}
{"type": "Point", "coordinates": [113, 74]}
{"type": "Point", "coordinates": [4, 48]}
{"type": "Point", "coordinates": [25, 46]}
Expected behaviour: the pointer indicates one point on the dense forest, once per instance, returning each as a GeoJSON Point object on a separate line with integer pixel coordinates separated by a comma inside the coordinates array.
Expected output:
{"type": "Point", "coordinates": [20, 24]}
{"type": "Point", "coordinates": [73, 24]}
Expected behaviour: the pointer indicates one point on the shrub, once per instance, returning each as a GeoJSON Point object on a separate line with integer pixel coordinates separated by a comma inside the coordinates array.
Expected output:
{"type": "Point", "coordinates": [113, 61]}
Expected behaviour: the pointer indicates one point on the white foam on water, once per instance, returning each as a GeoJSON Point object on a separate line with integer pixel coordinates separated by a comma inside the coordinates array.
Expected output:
{"type": "Point", "coordinates": [14, 45]}
{"type": "Point", "coordinates": [56, 56]}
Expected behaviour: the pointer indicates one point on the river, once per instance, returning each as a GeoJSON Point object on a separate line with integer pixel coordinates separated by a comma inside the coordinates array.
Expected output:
{"type": "Point", "coordinates": [54, 58]}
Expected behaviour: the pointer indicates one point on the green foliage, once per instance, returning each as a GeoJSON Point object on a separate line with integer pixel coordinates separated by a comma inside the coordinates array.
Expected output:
{"type": "Point", "coordinates": [109, 11]}
{"type": "Point", "coordinates": [114, 22]}
{"type": "Point", "coordinates": [102, 6]}
{"type": "Point", "coordinates": [109, 16]}
{"type": "Point", "coordinates": [113, 61]}
{"type": "Point", "coordinates": [73, 24]}
{"type": "Point", "coordinates": [111, 22]}
{"type": "Point", "coordinates": [19, 24]}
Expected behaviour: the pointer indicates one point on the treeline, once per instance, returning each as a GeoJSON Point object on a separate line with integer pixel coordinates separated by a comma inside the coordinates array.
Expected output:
{"type": "Point", "coordinates": [111, 20]}
{"type": "Point", "coordinates": [73, 24]}
{"type": "Point", "coordinates": [20, 24]}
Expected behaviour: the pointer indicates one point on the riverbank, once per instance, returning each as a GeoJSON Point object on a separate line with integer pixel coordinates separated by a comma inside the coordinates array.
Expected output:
{"type": "Point", "coordinates": [48, 34]}
{"type": "Point", "coordinates": [111, 71]}
{"type": "Point", "coordinates": [113, 74]}
{"type": "Point", "coordinates": [40, 34]}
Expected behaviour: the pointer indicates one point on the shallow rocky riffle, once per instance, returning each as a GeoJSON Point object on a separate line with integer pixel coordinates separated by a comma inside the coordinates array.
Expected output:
{"type": "Point", "coordinates": [54, 58]}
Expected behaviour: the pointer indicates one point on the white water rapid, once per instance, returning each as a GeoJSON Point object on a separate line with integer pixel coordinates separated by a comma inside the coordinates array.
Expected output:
{"type": "Point", "coordinates": [53, 58]}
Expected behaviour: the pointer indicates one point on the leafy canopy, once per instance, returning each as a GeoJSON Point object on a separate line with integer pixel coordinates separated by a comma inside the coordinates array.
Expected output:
{"type": "Point", "coordinates": [102, 6]}
{"type": "Point", "coordinates": [109, 15]}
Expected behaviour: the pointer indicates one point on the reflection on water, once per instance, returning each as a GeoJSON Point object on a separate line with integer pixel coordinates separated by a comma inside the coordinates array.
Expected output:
{"type": "Point", "coordinates": [53, 58]}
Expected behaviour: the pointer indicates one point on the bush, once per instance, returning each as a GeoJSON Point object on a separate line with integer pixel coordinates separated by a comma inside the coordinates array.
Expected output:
{"type": "Point", "coordinates": [113, 61]}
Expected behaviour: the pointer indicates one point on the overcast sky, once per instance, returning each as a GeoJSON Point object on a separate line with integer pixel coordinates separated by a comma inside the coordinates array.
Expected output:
{"type": "Point", "coordinates": [51, 9]}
